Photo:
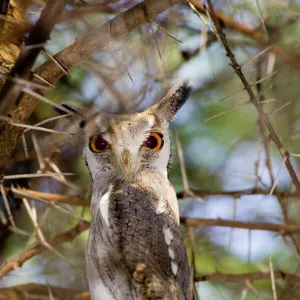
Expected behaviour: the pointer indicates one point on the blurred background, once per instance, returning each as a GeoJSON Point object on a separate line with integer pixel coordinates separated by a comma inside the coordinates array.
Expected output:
{"type": "Point", "coordinates": [229, 167]}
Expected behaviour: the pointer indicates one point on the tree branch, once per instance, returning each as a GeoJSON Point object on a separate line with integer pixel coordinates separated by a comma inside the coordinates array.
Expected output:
{"type": "Point", "coordinates": [243, 277]}
{"type": "Point", "coordinates": [280, 228]}
{"type": "Point", "coordinates": [237, 193]}
{"type": "Point", "coordinates": [32, 291]}
{"type": "Point", "coordinates": [263, 116]}
{"type": "Point", "coordinates": [75, 200]}
{"type": "Point", "coordinates": [67, 236]}
{"type": "Point", "coordinates": [56, 198]}
{"type": "Point", "coordinates": [253, 33]}
{"type": "Point", "coordinates": [33, 45]}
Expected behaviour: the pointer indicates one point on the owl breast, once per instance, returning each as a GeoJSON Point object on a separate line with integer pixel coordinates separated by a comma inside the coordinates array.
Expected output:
{"type": "Point", "coordinates": [135, 248]}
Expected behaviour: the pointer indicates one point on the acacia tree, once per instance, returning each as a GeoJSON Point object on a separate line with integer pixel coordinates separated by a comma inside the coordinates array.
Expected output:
{"type": "Point", "coordinates": [236, 167]}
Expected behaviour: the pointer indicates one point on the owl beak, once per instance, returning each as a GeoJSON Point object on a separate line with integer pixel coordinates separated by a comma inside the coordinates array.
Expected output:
{"type": "Point", "coordinates": [128, 165]}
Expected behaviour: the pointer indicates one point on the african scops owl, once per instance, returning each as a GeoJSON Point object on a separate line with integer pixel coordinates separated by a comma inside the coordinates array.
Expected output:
{"type": "Point", "coordinates": [135, 248]}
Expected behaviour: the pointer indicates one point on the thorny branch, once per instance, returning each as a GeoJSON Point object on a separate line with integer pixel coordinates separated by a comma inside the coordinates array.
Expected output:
{"type": "Point", "coordinates": [281, 228]}
{"type": "Point", "coordinates": [67, 236]}
{"type": "Point", "coordinates": [253, 33]}
{"type": "Point", "coordinates": [190, 222]}
{"type": "Point", "coordinates": [273, 135]}
{"type": "Point", "coordinates": [215, 277]}
{"type": "Point", "coordinates": [262, 115]}
{"type": "Point", "coordinates": [248, 276]}
{"type": "Point", "coordinates": [76, 200]}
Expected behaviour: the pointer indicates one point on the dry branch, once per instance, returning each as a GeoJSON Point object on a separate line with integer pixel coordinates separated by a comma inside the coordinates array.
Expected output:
{"type": "Point", "coordinates": [76, 200]}
{"type": "Point", "coordinates": [56, 198]}
{"type": "Point", "coordinates": [250, 276]}
{"type": "Point", "coordinates": [230, 22]}
{"type": "Point", "coordinates": [237, 193]}
{"type": "Point", "coordinates": [42, 290]}
{"type": "Point", "coordinates": [71, 234]}
{"type": "Point", "coordinates": [263, 116]}
{"type": "Point", "coordinates": [67, 236]}
{"type": "Point", "coordinates": [253, 33]}
{"type": "Point", "coordinates": [32, 291]}
{"type": "Point", "coordinates": [280, 228]}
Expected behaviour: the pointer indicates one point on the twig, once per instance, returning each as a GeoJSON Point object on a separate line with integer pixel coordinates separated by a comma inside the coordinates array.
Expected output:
{"type": "Point", "coordinates": [49, 120]}
{"type": "Point", "coordinates": [33, 127]}
{"type": "Point", "coordinates": [256, 56]}
{"type": "Point", "coordinates": [227, 111]}
{"type": "Point", "coordinates": [75, 200]}
{"type": "Point", "coordinates": [25, 146]}
{"type": "Point", "coordinates": [6, 203]}
{"type": "Point", "coordinates": [24, 82]}
{"type": "Point", "coordinates": [262, 19]}
{"type": "Point", "coordinates": [185, 181]}
{"type": "Point", "coordinates": [272, 278]}
{"type": "Point", "coordinates": [252, 288]}
{"type": "Point", "coordinates": [155, 42]}
{"type": "Point", "coordinates": [167, 32]}
{"type": "Point", "coordinates": [34, 175]}
{"type": "Point", "coordinates": [32, 215]}
{"type": "Point", "coordinates": [195, 11]}
{"type": "Point", "coordinates": [38, 152]}
{"type": "Point", "coordinates": [49, 55]}
{"type": "Point", "coordinates": [280, 228]}
{"type": "Point", "coordinates": [250, 276]}
{"type": "Point", "coordinates": [46, 100]}
{"type": "Point", "coordinates": [43, 80]}
{"type": "Point", "coordinates": [284, 153]}
{"type": "Point", "coordinates": [67, 236]}
{"type": "Point", "coordinates": [280, 108]}
{"type": "Point", "coordinates": [252, 33]}
{"type": "Point", "coordinates": [239, 193]}
{"type": "Point", "coordinates": [56, 198]}
{"type": "Point", "coordinates": [52, 204]}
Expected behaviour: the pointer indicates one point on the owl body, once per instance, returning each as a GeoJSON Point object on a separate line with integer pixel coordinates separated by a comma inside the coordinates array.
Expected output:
{"type": "Point", "coordinates": [135, 248]}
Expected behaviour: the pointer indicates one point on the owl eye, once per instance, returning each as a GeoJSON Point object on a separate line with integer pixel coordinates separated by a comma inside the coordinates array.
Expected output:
{"type": "Point", "coordinates": [98, 143]}
{"type": "Point", "coordinates": [155, 141]}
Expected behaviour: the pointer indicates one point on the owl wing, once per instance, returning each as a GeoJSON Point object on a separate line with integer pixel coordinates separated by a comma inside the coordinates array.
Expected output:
{"type": "Point", "coordinates": [151, 245]}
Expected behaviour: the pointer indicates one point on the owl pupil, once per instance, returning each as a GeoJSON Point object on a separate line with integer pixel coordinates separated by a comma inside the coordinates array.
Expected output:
{"type": "Point", "coordinates": [100, 143]}
{"type": "Point", "coordinates": [151, 142]}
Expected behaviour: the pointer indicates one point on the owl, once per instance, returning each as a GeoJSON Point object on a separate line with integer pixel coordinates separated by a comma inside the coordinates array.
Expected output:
{"type": "Point", "coordinates": [135, 248]}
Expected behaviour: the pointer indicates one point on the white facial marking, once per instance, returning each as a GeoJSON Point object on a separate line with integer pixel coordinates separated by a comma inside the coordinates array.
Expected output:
{"type": "Point", "coordinates": [171, 253]}
{"type": "Point", "coordinates": [168, 235]}
{"type": "Point", "coordinates": [162, 160]}
{"type": "Point", "coordinates": [160, 209]}
{"type": "Point", "coordinates": [104, 203]}
{"type": "Point", "coordinates": [174, 267]}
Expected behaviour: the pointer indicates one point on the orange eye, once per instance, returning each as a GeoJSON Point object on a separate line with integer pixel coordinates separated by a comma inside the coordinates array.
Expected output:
{"type": "Point", "coordinates": [155, 141]}
{"type": "Point", "coordinates": [98, 143]}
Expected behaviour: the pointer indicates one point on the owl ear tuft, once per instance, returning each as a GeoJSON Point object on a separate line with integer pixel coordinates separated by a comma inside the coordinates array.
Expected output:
{"type": "Point", "coordinates": [167, 107]}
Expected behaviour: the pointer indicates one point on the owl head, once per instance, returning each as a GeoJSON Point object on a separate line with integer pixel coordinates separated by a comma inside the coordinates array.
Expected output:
{"type": "Point", "coordinates": [124, 145]}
